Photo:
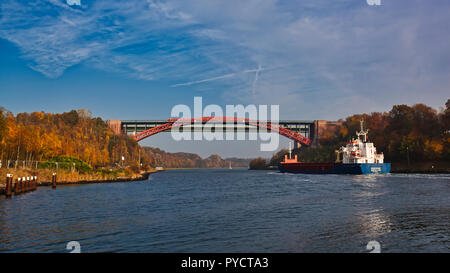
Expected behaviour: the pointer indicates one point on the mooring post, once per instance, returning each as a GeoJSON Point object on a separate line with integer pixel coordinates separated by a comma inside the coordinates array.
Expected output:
{"type": "Point", "coordinates": [31, 183]}
{"type": "Point", "coordinates": [17, 186]}
{"type": "Point", "coordinates": [8, 190]}
{"type": "Point", "coordinates": [24, 184]}
{"type": "Point", "coordinates": [54, 181]}
{"type": "Point", "coordinates": [27, 184]}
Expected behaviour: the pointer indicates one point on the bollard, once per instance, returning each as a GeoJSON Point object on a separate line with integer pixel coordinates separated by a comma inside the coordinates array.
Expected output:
{"type": "Point", "coordinates": [54, 181]}
{"type": "Point", "coordinates": [27, 184]}
{"type": "Point", "coordinates": [24, 184]}
{"type": "Point", "coordinates": [8, 190]}
{"type": "Point", "coordinates": [31, 183]}
{"type": "Point", "coordinates": [35, 182]}
{"type": "Point", "coordinates": [17, 186]}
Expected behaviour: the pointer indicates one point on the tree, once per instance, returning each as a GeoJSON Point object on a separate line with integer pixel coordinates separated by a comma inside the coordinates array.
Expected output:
{"type": "Point", "coordinates": [445, 118]}
{"type": "Point", "coordinates": [70, 118]}
{"type": "Point", "coordinates": [84, 113]}
{"type": "Point", "coordinates": [257, 164]}
{"type": "Point", "coordinates": [278, 157]}
{"type": "Point", "coordinates": [2, 126]}
{"type": "Point", "coordinates": [401, 119]}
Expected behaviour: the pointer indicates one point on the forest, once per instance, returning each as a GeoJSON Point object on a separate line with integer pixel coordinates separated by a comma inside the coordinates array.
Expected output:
{"type": "Point", "coordinates": [164, 159]}
{"type": "Point", "coordinates": [73, 136]}
{"type": "Point", "coordinates": [405, 134]}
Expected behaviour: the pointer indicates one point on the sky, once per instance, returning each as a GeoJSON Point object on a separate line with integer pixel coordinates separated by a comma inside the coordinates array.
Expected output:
{"type": "Point", "coordinates": [137, 59]}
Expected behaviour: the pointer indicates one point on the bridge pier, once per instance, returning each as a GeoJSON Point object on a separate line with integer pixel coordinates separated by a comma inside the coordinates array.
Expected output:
{"type": "Point", "coordinates": [115, 125]}
{"type": "Point", "coordinates": [322, 127]}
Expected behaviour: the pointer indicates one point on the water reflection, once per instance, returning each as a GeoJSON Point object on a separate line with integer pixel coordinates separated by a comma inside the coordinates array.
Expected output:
{"type": "Point", "coordinates": [375, 223]}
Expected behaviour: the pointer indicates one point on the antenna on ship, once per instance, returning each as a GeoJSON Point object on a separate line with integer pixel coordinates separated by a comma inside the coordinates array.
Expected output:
{"type": "Point", "coordinates": [362, 132]}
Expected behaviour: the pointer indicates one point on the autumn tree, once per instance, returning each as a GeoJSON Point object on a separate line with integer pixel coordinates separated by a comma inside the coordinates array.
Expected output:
{"type": "Point", "coordinates": [258, 164]}
{"type": "Point", "coordinates": [42, 136]}
{"type": "Point", "coordinates": [2, 126]}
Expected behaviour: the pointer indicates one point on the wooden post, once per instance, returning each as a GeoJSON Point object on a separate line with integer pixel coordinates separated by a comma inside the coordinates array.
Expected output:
{"type": "Point", "coordinates": [24, 184]}
{"type": "Point", "coordinates": [27, 184]}
{"type": "Point", "coordinates": [8, 190]}
{"type": "Point", "coordinates": [54, 181]}
{"type": "Point", "coordinates": [17, 186]}
{"type": "Point", "coordinates": [31, 183]}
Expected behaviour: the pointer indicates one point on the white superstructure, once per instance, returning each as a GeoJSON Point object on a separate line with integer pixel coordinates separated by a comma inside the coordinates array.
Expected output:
{"type": "Point", "coordinates": [361, 151]}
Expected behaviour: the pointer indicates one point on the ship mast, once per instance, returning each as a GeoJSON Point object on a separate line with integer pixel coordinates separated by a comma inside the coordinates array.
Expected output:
{"type": "Point", "coordinates": [362, 132]}
{"type": "Point", "coordinates": [290, 151]}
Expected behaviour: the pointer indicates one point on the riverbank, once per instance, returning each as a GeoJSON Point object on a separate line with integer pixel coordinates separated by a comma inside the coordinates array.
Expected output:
{"type": "Point", "coordinates": [233, 168]}
{"type": "Point", "coordinates": [417, 167]}
{"type": "Point", "coordinates": [421, 167]}
{"type": "Point", "coordinates": [69, 178]}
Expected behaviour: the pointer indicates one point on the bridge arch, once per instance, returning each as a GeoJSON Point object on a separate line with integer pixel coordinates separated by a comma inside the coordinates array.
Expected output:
{"type": "Point", "coordinates": [180, 122]}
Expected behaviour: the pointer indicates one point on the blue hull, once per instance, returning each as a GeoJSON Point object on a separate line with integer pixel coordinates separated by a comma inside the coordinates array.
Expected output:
{"type": "Point", "coordinates": [338, 168]}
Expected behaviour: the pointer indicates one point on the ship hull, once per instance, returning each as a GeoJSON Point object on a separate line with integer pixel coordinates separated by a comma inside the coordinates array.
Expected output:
{"type": "Point", "coordinates": [335, 168]}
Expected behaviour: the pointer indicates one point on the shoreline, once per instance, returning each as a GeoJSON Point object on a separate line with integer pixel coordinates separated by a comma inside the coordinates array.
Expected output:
{"type": "Point", "coordinates": [396, 171]}
{"type": "Point", "coordinates": [441, 167]}
{"type": "Point", "coordinates": [234, 168]}
{"type": "Point", "coordinates": [142, 177]}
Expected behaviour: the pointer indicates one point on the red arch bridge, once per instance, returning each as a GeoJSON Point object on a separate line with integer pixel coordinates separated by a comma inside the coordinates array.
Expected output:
{"type": "Point", "coordinates": [305, 132]}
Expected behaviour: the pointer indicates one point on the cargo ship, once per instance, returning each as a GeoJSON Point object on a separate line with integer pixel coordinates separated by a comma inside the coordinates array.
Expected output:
{"type": "Point", "coordinates": [358, 157]}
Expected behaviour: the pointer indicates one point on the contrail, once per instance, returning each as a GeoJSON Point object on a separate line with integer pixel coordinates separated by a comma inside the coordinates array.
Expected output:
{"type": "Point", "coordinates": [205, 80]}
{"type": "Point", "coordinates": [256, 79]}
{"type": "Point", "coordinates": [221, 77]}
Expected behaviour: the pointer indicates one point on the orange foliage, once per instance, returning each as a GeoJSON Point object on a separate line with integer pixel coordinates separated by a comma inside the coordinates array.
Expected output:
{"type": "Point", "coordinates": [40, 136]}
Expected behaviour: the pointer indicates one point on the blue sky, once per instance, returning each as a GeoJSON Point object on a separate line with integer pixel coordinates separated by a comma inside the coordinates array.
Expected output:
{"type": "Point", "coordinates": [136, 59]}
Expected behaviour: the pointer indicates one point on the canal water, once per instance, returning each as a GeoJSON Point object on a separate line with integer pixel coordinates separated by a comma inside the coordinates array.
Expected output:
{"type": "Point", "coordinates": [234, 211]}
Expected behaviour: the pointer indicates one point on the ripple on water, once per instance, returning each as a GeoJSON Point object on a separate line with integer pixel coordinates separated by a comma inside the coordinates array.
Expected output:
{"type": "Point", "coordinates": [234, 211]}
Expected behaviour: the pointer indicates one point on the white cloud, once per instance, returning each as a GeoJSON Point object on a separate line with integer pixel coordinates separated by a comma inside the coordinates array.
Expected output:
{"type": "Point", "coordinates": [323, 50]}
{"type": "Point", "coordinates": [73, 2]}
